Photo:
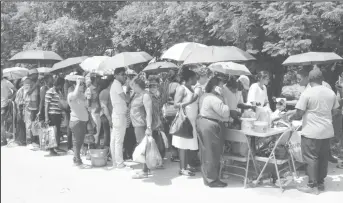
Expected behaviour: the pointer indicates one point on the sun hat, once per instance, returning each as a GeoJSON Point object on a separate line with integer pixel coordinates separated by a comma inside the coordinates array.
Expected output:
{"type": "Point", "coordinates": [245, 81]}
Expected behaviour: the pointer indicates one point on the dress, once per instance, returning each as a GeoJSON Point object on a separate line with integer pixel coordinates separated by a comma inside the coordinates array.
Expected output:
{"type": "Point", "coordinates": [192, 113]}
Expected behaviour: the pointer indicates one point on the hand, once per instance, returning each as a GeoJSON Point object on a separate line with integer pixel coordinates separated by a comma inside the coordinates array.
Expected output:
{"type": "Point", "coordinates": [79, 80]}
{"type": "Point", "coordinates": [148, 132]}
{"type": "Point", "coordinates": [110, 122]}
{"type": "Point", "coordinates": [46, 119]}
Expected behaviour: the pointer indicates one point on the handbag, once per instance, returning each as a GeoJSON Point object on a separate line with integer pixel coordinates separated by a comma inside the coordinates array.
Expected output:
{"type": "Point", "coordinates": [181, 126]}
{"type": "Point", "coordinates": [49, 138]}
{"type": "Point", "coordinates": [169, 110]}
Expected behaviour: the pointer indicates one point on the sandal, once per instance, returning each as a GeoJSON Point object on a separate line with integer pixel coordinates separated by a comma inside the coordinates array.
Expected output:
{"type": "Point", "coordinates": [174, 159]}
{"type": "Point", "coordinates": [141, 175]}
{"type": "Point", "coordinates": [192, 169]}
{"type": "Point", "coordinates": [185, 172]}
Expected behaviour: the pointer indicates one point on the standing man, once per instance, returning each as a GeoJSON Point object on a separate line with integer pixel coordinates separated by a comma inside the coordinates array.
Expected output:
{"type": "Point", "coordinates": [7, 92]}
{"type": "Point", "coordinates": [106, 112]}
{"type": "Point", "coordinates": [31, 96]}
{"type": "Point", "coordinates": [315, 106]}
{"type": "Point", "coordinates": [119, 103]}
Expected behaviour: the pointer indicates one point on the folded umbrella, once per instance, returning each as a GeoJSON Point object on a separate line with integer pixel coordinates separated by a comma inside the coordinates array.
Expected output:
{"type": "Point", "coordinates": [67, 63]}
{"type": "Point", "coordinates": [311, 58]}
{"type": "Point", "coordinates": [158, 67]}
{"type": "Point", "coordinates": [179, 52]}
{"type": "Point", "coordinates": [15, 73]}
{"type": "Point", "coordinates": [213, 54]}
{"type": "Point", "coordinates": [230, 68]}
{"type": "Point", "coordinates": [123, 60]}
{"type": "Point", "coordinates": [92, 64]}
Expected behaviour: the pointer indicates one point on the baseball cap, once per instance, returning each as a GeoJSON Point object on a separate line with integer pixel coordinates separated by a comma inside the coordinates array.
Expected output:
{"type": "Point", "coordinates": [245, 81]}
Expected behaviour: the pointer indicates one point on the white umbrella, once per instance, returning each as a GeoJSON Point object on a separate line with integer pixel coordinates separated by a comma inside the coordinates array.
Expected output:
{"type": "Point", "coordinates": [44, 70]}
{"type": "Point", "coordinates": [124, 59]}
{"type": "Point", "coordinates": [312, 58]}
{"type": "Point", "coordinates": [215, 54]}
{"type": "Point", "coordinates": [230, 68]}
{"type": "Point", "coordinates": [179, 52]}
{"type": "Point", "coordinates": [92, 64]}
{"type": "Point", "coordinates": [15, 73]}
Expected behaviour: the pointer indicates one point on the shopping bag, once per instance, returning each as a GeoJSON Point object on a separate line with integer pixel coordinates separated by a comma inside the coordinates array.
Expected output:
{"type": "Point", "coordinates": [139, 153]}
{"type": "Point", "coordinates": [181, 126]}
{"type": "Point", "coordinates": [295, 146]}
{"type": "Point", "coordinates": [159, 142]}
{"type": "Point", "coordinates": [50, 139]}
{"type": "Point", "coordinates": [153, 157]}
{"type": "Point", "coordinates": [36, 128]}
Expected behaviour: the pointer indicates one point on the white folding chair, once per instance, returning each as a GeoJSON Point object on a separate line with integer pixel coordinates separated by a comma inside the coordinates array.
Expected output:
{"type": "Point", "coordinates": [281, 141]}
{"type": "Point", "coordinates": [237, 136]}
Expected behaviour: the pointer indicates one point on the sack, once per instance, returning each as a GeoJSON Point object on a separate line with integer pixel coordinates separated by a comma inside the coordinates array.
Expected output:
{"type": "Point", "coordinates": [139, 153]}
{"type": "Point", "coordinates": [153, 157]}
{"type": "Point", "coordinates": [159, 142]}
{"type": "Point", "coordinates": [169, 110]}
{"type": "Point", "coordinates": [181, 126]}
{"type": "Point", "coordinates": [295, 146]}
{"type": "Point", "coordinates": [165, 139]}
{"type": "Point", "coordinates": [49, 139]}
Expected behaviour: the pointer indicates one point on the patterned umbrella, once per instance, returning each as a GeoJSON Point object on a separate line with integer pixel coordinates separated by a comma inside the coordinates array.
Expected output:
{"type": "Point", "coordinates": [312, 58]}
{"type": "Point", "coordinates": [179, 52]}
{"type": "Point", "coordinates": [67, 63]}
{"type": "Point", "coordinates": [15, 73]}
{"type": "Point", "coordinates": [34, 56]}
{"type": "Point", "coordinates": [230, 68]}
{"type": "Point", "coordinates": [215, 54]}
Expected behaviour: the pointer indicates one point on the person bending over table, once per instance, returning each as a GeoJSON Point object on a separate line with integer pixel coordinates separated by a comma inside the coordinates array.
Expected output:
{"type": "Point", "coordinates": [315, 106]}
{"type": "Point", "coordinates": [210, 126]}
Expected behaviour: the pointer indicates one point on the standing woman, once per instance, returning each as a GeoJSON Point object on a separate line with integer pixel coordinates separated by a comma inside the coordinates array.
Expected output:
{"type": "Point", "coordinates": [258, 91]}
{"type": "Point", "coordinates": [78, 117]}
{"type": "Point", "coordinates": [210, 125]}
{"type": "Point", "coordinates": [141, 116]}
{"type": "Point", "coordinates": [186, 98]}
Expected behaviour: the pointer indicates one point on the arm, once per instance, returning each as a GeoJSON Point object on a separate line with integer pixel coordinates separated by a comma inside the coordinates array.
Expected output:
{"type": "Point", "coordinates": [42, 99]}
{"type": "Point", "coordinates": [297, 115]}
{"type": "Point", "coordinates": [180, 92]}
{"type": "Point", "coordinates": [125, 97]}
{"type": "Point", "coordinates": [148, 109]}
{"type": "Point", "coordinates": [300, 108]}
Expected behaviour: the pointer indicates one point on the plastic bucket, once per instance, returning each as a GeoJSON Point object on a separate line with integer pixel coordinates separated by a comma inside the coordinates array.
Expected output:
{"type": "Point", "coordinates": [99, 157]}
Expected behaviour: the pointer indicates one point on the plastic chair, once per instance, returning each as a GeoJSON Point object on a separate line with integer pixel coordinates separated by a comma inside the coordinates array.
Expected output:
{"type": "Point", "coordinates": [281, 141]}
{"type": "Point", "coordinates": [237, 136]}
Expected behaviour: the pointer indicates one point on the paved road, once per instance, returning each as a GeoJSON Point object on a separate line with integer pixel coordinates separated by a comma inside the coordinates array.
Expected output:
{"type": "Point", "coordinates": [30, 177]}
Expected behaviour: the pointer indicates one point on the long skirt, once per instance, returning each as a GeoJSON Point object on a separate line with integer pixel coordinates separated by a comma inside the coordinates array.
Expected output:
{"type": "Point", "coordinates": [211, 148]}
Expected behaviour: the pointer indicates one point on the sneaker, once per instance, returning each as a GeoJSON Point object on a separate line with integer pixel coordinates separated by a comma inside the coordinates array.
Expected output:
{"type": "Point", "coordinates": [307, 189]}
{"type": "Point", "coordinates": [121, 166]}
{"type": "Point", "coordinates": [184, 172]}
{"type": "Point", "coordinates": [140, 175]}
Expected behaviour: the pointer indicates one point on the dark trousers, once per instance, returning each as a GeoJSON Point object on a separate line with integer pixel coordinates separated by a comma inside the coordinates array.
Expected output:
{"type": "Point", "coordinates": [56, 120]}
{"type": "Point", "coordinates": [69, 133]}
{"type": "Point", "coordinates": [167, 124]}
{"type": "Point", "coordinates": [130, 142]}
{"type": "Point", "coordinates": [316, 157]}
{"type": "Point", "coordinates": [79, 130]}
{"type": "Point", "coordinates": [105, 129]}
{"type": "Point", "coordinates": [211, 148]}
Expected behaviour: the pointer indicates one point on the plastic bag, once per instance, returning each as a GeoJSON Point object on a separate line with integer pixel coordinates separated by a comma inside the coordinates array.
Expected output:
{"type": "Point", "coordinates": [295, 146]}
{"type": "Point", "coordinates": [36, 127]}
{"type": "Point", "coordinates": [50, 137]}
{"type": "Point", "coordinates": [140, 151]}
{"type": "Point", "coordinates": [153, 157]}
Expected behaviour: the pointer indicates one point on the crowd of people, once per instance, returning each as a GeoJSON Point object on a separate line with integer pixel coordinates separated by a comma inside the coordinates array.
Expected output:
{"type": "Point", "coordinates": [123, 109]}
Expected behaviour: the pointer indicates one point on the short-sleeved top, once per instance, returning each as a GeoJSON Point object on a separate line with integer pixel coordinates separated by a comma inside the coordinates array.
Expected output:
{"type": "Point", "coordinates": [31, 100]}
{"type": "Point", "coordinates": [211, 106]}
{"type": "Point", "coordinates": [6, 90]}
{"type": "Point", "coordinates": [317, 102]}
{"type": "Point", "coordinates": [95, 103]}
{"type": "Point", "coordinates": [78, 108]}
{"type": "Point", "coordinates": [118, 104]}
{"type": "Point", "coordinates": [104, 97]}
{"type": "Point", "coordinates": [52, 97]}
{"type": "Point", "coordinates": [257, 94]}
{"type": "Point", "coordinates": [232, 99]}
{"type": "Point", "coordinates": [325, 84]}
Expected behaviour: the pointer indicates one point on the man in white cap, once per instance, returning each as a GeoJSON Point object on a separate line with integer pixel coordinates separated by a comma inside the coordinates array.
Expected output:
{"type": "Point", "coordinates": [316, 106]}
{"type": "Point", "coordinates": [245, 82]}
{"type": "Point", "coordinates": [31, 96]}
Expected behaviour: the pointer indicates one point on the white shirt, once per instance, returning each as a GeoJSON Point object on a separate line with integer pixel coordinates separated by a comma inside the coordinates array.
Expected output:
{"type": "Point", "coordinates": [317, 102]}
{"type": "Point", "coordinates": [232, 99]}
{"type": "Point", "coordinates": [325, 84]}
{"type": "Point", "coordinates": [118, 104]}
{"type": "Point", "coordinates": [258, 95]}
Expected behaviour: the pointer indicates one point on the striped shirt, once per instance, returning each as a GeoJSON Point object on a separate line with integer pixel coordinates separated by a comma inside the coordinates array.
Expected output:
{"type": "Point", "coordinates": [52, 97]}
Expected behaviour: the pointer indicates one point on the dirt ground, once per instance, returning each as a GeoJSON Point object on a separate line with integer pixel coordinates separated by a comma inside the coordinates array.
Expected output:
{"type": "Point", "coordinates": [30, 177]}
